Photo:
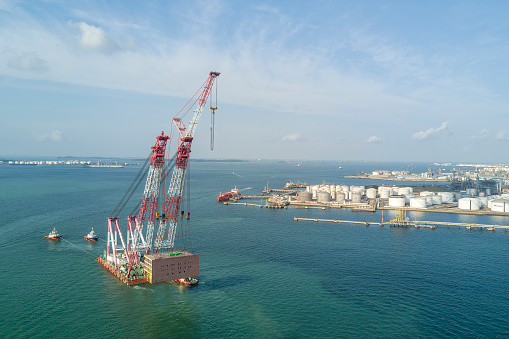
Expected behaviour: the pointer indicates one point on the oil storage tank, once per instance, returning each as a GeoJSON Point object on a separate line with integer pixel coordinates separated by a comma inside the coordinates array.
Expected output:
{"type": "Point", "coordinates": [323, 196]}
{"type": "Point", "coordinates": [371, 193]}
{"type": "Point", "coordinates": [471, 204]}
{"type": "Point", "coordinates": [304, 196]}
{"type": "Point", "coordinates": [436, 199]}
{"type": "Point", "coordinates": [385, 193]}
{"type": "Point", "coordinates": [405, 191]}
{"type": "Point", "coordinates": [340, 196]}
{"type": "Point", "coordinates": [418, 202]}
{"type": "Point", "coordinates": [397, 201]}
{"type": "Point", "coordinates": [500, 205]}
{"type": "Point", "coordinates": [356, 197]}
{"type": "Point", "coordinates": [447, 197]}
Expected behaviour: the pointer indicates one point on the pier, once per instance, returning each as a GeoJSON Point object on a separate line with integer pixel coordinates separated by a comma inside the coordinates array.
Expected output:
{"type": "Point", "coordinates": [416, 224]}
{"type": "Point", "coordinates": [365, 223]}
{"type": "Point", "coordinates": [255, 205]}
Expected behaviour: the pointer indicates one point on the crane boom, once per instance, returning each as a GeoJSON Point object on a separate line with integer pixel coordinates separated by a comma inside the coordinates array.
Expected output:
{"type": "Point", "coordinates": [174, 195]}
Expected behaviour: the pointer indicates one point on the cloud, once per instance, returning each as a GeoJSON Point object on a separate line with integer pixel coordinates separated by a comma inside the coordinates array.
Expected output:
{"type": "Point", "coordinates": [503, 134]}
{"type": "Point", "coordinates": [94, 38]}
{"type": "Point", "coordinates": [293, 138]}
{"type": "Point", "coordinates": [27, 62]}
{"type": "Point", "coordinates": [374, 139]}
{"type": "Point", "coordinates": [481, 135]}
{"type": "Point", "coordinates": [422, 135]}
{"type": "Point", "coordinates": [55, 136]}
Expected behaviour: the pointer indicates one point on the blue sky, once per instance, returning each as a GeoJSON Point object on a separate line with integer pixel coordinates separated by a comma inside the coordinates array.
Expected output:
{"type": "Point", "coordinates": [303, 80]}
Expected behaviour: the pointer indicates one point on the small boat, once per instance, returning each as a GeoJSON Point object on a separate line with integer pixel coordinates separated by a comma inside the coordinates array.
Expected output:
{"type": "Point", "coordinates": [187, 281]}
{"type": "Point", "coordinates": [91, 236]}
{"type": "Point", "coordinates": [53, 235]}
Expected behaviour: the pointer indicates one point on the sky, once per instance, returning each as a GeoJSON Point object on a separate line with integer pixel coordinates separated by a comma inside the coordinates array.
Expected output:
{"type": "Point", "coordinates": [300, 80]}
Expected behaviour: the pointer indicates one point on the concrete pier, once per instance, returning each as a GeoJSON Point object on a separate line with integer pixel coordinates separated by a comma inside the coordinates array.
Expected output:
{"type": "Point", "coordinates": [416, 224]}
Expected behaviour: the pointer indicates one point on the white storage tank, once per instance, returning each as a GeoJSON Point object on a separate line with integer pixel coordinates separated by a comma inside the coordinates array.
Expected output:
{"type": "Point", "coordinates": [356, 197]}
{"type": "Point", "coordinates": [397, 201]}
{"type": "Point", "coordinates": [426, 194]}
{"type": "Point", "coordinates": [447, 197]}
{"type": "Point", "coordinates": [436, 199]}
{"type": "Point", "coordinates": [418, 202]}
{"type": "Point", "coordinates": [304, 196]}
{"type": "Point", "coordinates": [500, 205]}
{"type": "Point", "coordinates": [385, 193]}
{"type": "Point", "coordinates": [471, 204]}
{"type": "Point", "coordinates": [323, 196]}
{"type": "Point", "coordinates": [404, 191]}
{"type": "Point", "coordinates": [371, 193]}
{"type": "Point", "coordinates": [340, 196]}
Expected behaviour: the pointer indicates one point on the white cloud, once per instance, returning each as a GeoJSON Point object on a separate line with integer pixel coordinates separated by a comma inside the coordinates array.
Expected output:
{"type": "Point", "coordinates": [481, 135]}
{"type": "Point", "coordinates": [430, 132]}
{"type": "Point", "coordinates": [374, 139]}
{"type": "Point", "coordinates": [55, 136]}
{"type": "Point", "coordinates": [503, 134]}
{"type": "Point", "coordinates": [94, 38]}
{"type": "Point", "coordinates": [293, 137]}
{"type": "Point", "coordinates": [27, 62]}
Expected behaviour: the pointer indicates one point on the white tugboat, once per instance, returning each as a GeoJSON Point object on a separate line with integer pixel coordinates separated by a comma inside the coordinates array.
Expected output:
{"type": "Point", "coordinates": [92, 236]}
{"type": "Point", "coordinates": [53, 235]}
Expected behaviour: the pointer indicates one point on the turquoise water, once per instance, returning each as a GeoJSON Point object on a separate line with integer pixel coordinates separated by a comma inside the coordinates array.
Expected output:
{"type": "Point", "coordinates": [261, 275]}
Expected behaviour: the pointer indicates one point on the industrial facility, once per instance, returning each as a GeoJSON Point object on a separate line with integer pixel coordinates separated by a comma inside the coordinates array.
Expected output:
{"type": "Point", "coordinates": [368, 199]}
{"type": "Point", "coordinates": [392, 196]}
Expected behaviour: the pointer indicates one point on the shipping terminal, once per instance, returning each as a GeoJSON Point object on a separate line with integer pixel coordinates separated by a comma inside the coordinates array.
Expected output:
{"type": "Point", "coordinates": [154, 246]}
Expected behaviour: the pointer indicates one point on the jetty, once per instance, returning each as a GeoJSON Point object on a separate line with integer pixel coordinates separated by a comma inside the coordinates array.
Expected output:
{"type": "Point", "coordinates": [416, 223]}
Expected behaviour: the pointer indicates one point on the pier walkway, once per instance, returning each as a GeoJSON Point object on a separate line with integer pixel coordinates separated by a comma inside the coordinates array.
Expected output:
{"type": "Point", "coordinates": [416, 224]}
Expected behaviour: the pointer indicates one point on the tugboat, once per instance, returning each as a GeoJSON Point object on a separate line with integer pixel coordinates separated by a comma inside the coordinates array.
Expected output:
{"type": "Point", "coordinates": [91, 236]}
{"type": "Point", "coordinates": [53, 235]}
{"type": "Point", "coordinates": [187, 281]}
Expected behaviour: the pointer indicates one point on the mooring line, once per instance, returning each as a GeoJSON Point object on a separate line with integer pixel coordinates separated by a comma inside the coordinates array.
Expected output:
{"type": "Point", "coordinates": [88, 252]}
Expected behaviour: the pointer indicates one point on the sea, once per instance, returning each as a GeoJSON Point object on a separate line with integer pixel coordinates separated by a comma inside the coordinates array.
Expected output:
{"type": "Point", "coordinates": [262, 274]}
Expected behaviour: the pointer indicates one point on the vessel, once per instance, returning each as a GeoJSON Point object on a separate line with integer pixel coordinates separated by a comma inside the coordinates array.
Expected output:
{"type": "Point", "coordinates": [233, 194]}
{"type": "Point", "coordinates": [104, 165]}
{"type": "Point", "coordinates": [187, 281]}
{"type": "Point", "coordinates": [91, 236]}
{"type": "Point", "coordinates": [53, 235]}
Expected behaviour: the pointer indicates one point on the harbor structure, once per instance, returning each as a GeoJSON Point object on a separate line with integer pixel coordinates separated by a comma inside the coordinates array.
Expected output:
{"type": "Point", "coordinates": [479, 200]}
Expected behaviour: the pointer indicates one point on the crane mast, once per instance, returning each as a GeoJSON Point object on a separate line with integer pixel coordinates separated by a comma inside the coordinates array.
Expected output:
{"type": "Point", "coordinates": [170, 212]}
{"type": "Point", "coordinates": [150, 196]}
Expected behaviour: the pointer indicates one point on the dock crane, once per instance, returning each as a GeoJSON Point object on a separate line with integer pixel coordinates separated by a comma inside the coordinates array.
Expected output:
{"type": "Point", "coordinates": [156, 177]}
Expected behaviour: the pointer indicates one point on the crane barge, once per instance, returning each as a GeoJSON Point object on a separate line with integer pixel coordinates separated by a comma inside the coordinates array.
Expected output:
{"type": "Point", "coordinates": [143, 257]}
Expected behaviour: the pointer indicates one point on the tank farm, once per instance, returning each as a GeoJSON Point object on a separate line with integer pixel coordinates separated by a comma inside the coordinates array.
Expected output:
{"type": "Point", "coordinates": [153, 245]}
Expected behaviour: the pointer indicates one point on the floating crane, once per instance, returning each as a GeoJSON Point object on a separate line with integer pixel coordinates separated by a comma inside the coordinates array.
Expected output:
{"type": "Point", "coordinates": [127, 254]}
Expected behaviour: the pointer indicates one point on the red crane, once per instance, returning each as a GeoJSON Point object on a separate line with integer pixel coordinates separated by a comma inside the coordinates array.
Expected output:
{"type": "Point", "coordinates": [170, 212]}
